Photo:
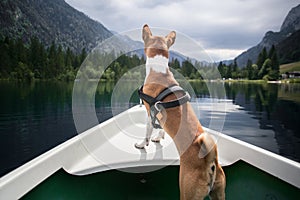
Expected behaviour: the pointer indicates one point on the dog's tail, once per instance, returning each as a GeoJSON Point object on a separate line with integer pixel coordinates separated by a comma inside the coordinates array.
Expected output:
{"type": "Point", "coordinates": [207, 146]}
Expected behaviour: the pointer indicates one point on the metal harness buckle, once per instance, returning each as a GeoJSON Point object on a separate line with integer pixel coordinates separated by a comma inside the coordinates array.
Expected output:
{"type": "Point", "coordinates": [156, 106]}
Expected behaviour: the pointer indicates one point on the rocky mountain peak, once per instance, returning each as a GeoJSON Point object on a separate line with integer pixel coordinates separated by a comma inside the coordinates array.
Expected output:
{"type": "Point", "coordinates": [290, 25]}
{"type": "Point", "coordinates": [292, 21]}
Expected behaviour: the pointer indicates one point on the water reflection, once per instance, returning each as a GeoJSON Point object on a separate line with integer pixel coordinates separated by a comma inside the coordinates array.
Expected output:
{"type": "Point", "coordinates": [33, 118]}
{"type": "Point", "coordinates": [266, 115]}
{"type": "Point", "coordinates": [38, 116]}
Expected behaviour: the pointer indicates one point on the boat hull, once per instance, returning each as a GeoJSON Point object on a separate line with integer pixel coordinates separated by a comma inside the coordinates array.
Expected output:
{"type": "Point", "coordinates": [77, 165]}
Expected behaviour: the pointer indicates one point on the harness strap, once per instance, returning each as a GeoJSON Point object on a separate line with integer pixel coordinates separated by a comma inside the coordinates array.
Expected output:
{"type": "Point", "coordinates": [156, 104]}
{"type": "Point", "coordinates": [168, 91]}
{"type": "Point", "coordinates": [174, 103]}
{"type": "Point", "coordinates": [150, 100]}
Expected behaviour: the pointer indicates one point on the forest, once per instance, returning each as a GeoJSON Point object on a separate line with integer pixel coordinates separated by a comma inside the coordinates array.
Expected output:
{"type": "Point", "coordinates": [34, 61]}
{"type": "Point", "coordinates": [266, 67]}
{"type": "Point", "coordinates": [22, 61]}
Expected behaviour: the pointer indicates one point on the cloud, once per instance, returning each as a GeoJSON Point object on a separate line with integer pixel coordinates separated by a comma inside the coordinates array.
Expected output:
{"type": "Point", "coordinates": [223, 54]}
{"type": "Point", "coordinates": [225, 25]}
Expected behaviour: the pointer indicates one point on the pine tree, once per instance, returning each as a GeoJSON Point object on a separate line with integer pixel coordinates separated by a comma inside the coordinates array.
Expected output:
{"type": "Point", "coordinates": [175, 64]}
{"type": "Point", "coordinates": [40, 72]}
{"type": "Point", "coordinates": [69, 58]}
{"type": "Point", "coordinates": [272, 51]}
{"type": "Point", "coordinates": [83, 55]}
{"type": "Point", "coordinates": [59, 61]}
{"type": "Point", "coordinates": [37, 58]}
{"type": "Point", "coordinates": [235, 70]}
{"type": "Point", "coordinates": [254, 72]}
{"type": "Point", "coordinates": [51, 68]}
{"type": "Point", "coordinates": [229, 71]}
{"type": "Point", "coordinates": [5, 64]}
{"type": "Point", "coordinates": [249, 70]}
{"type": "Point", "coordinates": [187, 68]}
{"type": "Point", "coordinates": [275, 66]}
{"type": "Point", "coordinates": [11, 50]}
{"type": "Point", "coordinates": [21, 52]}
{"type": "Point", "coordinates": [221, 69]}
{"type": "Point", "coordinates": [265, 69]}
{"type": "Point", "coordinates": [261, 58]}
{"type": "Point", "coordinates": [34, 53]}
{"type": "Point", "coordinates": [274, 59]}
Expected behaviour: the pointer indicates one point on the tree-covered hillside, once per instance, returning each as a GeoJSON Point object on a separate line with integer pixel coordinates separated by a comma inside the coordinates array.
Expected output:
{"type": "Point", "coordinates": [50, 21]}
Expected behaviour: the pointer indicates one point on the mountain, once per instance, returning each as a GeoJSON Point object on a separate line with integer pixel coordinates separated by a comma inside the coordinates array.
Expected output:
{"type": "Point", "coordinates": [290, 25]}
{"type": "Point", "coordinates": [289, 49]}
{"type": "Point", "coordinates": [56, 21]}
{"type": "Point", "coordinates": [50, 21]}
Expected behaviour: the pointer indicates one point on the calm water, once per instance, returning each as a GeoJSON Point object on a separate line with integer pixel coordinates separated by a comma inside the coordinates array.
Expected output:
{"type": "Point", "coordinates": [36, 117]}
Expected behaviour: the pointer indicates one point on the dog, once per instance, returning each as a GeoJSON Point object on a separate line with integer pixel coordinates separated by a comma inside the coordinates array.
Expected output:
{"type": "Point", "coordinates": [200, 173]}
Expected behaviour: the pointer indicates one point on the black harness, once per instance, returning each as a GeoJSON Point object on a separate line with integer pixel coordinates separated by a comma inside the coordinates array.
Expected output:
{"type": "Point", "coordinates": [156, 104]}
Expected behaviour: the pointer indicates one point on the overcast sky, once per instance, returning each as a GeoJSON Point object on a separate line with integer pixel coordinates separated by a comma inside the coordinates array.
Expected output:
{"type": "Point", "coordinates": [225, 28]}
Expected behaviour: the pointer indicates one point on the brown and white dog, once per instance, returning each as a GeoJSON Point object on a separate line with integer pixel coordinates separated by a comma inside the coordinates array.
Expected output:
{"type": "Point", "coordinates": [200, 173]}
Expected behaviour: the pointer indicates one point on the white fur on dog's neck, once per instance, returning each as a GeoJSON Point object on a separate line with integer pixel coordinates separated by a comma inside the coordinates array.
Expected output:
{"type": "Point", "coordinates": [158, 63]}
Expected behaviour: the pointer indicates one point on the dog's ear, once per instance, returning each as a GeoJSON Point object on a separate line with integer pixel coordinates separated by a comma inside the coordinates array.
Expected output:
{"type": "Point", "coordinates": [146, 33]}
{"type": "Point", "coordinates": [171, 38]}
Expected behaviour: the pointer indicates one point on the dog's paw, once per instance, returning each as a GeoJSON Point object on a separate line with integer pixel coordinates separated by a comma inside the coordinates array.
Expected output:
{"type": "Point", "coordinates": [139, 146]}
{"type": "Point", "coordinates": [142, 145]}
{"type": "Point", "coordinates": [161, 135]}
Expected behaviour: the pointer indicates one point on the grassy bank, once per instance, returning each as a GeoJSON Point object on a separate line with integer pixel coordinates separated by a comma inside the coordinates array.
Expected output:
{"type": "Point", "coordinates": [291, 67]}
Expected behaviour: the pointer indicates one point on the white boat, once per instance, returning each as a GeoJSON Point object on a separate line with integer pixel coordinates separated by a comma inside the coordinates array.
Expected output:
{"type": "Point", "coordinates": [84, 167]}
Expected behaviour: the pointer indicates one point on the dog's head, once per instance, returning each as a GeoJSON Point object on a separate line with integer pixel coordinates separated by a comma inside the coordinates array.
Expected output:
{"type": "Point", "coordinates": [157, 45]}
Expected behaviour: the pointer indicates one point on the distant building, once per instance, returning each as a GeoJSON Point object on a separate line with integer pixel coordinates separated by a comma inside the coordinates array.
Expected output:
{"type": "Point", "coordinates": [295, 74]}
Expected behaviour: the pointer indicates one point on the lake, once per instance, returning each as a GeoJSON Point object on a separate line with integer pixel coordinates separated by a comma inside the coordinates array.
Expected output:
{"type": "Point", "coordinates": [35, 117]}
